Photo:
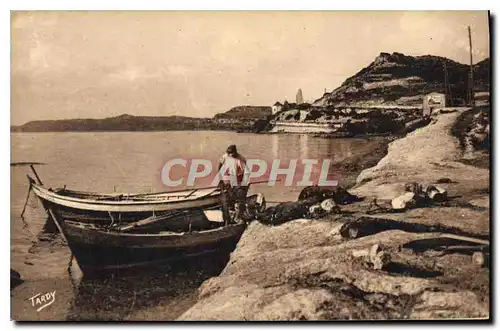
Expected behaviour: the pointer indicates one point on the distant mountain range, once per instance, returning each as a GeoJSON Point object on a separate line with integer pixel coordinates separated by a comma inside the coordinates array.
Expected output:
{"type": "Point", "coordinates": [132, 123]}
{"type": "Point", "coordinates": [398, 79]}
{"type": "Point", "coordinates": [241, 118]}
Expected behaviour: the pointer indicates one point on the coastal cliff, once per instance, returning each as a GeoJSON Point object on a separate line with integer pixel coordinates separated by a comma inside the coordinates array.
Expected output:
{"type": "Point", "coordinates": [398, 80]}
{"type": "Point", "coordinates": [386, 97]}
{"type": "Point", "coordinates": [305, 269]}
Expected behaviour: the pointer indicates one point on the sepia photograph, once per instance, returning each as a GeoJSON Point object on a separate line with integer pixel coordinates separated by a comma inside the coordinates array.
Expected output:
{"type": "Point", "coordinates": [250, 166]}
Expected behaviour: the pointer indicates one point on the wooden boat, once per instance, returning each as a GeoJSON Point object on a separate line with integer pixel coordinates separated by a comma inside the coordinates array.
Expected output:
{"type": "Point", "coordinates": [113, 207]}
{"type": "Point", "coordinates": [99, 250]}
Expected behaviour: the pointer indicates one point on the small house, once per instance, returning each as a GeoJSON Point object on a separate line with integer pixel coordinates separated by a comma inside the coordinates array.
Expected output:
{"type": "Point", "coordinates": [276, 108]}
{"type": "Point", "coordinates": [432, 101]}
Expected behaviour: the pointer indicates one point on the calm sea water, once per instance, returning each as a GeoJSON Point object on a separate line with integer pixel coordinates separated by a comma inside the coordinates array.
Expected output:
{"type": "Point", "coordinates": [125, 162]}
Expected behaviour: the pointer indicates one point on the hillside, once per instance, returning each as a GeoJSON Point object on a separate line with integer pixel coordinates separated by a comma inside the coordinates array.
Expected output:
{"type": "Point", "coordinates": [393, 84]}
{"type": "Point", "coordinates": [246, 112]}
{"type": "Point", "coordinates": [398, 79]}
{"type": "Point", "coordinates": [482, 75]}
{"type": "Point", "coordinates": [241, 118]}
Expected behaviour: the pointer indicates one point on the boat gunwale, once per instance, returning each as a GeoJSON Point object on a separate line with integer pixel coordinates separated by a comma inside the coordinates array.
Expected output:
{"type": "Point", "coordinates": [55, 195]}
{"type": "Point", "coordinates": [117, 194]}
{"type": "Point", "coordinates": [82, 227]}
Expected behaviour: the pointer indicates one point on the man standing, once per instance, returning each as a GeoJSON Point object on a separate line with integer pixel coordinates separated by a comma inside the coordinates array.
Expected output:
{"type": "Point", "coordinates": [234, 190]}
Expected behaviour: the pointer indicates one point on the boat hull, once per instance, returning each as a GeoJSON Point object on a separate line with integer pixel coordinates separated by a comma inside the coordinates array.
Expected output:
{"type": "Point", "coordinates": [126, 210]}
{"type": "Point", "coordinates": [100, 253]}
{"type": "Point", "coordinates": [106, 218]}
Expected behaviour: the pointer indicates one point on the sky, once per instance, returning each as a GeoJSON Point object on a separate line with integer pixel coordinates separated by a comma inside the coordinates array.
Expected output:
{"type": "Point", "coordinates": [103, 64]}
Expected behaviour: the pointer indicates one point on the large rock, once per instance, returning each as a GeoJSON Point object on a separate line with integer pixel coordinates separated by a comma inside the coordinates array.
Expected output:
{"type": "Point", "coordinates": [329, 205]}
{"type": "Point", "coordinates": [303, 270]}
{"type": "Point", "coordinates": [477, 134]}
{"type": "Point", "coordinates": [436, 193]}
{"type": "Point", "coordinates": [448, 305]}
{"type": "Point", "coordinates": [404, 201]}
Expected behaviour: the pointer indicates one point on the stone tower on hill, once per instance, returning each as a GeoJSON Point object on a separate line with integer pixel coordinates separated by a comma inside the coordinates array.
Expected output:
{"type": "Point", "coordinates": [299, 98]}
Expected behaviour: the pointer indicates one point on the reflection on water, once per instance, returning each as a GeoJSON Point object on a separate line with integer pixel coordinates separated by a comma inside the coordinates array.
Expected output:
{"type": "Point", "coordinates": [160, 294]}
{"type": "Point", "coordinates": [304, 146]}
{"type": "Point", "coordinates": [127, 162]}
{"type": "Point", "coordinates": [275, 145]}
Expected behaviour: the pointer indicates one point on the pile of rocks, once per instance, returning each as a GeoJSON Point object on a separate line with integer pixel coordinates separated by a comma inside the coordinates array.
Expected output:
{"type": "Point", "coordinates": [313, 202]}
{"type": "Point", "coordinates": [477, 134]}
{"type": "Point", "coordinates": [418, 195]}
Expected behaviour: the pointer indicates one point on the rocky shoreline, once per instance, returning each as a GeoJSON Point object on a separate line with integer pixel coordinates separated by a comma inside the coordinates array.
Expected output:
{"type": "Point", "coordinates": [309, 269]}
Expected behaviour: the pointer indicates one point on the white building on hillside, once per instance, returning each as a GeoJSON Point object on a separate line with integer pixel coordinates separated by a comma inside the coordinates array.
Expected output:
{"type": "Point", "coordinates": [432, 101]}
{"type": "Point", "coordinates": [276, 108]}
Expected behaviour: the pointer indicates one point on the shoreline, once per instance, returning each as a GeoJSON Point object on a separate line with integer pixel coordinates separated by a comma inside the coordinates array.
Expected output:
{"type": "Point", "coordinates": [312, 134]}
{"type": "Point", "coordinates": [67, 294]}
{"type": "Point", "coordinates": [315, 275]}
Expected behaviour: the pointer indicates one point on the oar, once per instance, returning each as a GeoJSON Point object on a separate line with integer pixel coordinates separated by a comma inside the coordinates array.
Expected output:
{"type": "Point", "coordinates": [194, 190]}
{"type": "Point", "coordinates": [149, 220]}
{"type": "Point", "coordinates": [15, 164]}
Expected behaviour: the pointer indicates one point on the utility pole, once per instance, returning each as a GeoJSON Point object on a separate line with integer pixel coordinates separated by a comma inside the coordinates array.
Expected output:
{"type": "Point", "coordinates": [471, 74]}
{"type": "Point", "coordinates": [447, 88]}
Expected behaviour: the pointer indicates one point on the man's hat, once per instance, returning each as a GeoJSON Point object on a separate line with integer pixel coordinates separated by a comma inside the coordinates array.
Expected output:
{"type": "Point", "coordinates": [231, 149]}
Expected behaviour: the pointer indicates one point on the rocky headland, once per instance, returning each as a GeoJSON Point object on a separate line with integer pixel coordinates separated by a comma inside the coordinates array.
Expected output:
{"type": "Point", "coordinates": [384, 98]}
{"type": "Point", "coordinates": [393, 80]}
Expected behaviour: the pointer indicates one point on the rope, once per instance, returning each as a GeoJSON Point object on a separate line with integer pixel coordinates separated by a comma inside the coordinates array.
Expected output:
{"type": "Point", "coordinates": [25, 224]}
{"type": "Point", "coordinates": [26, 203]}
{"type": "Point", "coordinates": [112, 219]}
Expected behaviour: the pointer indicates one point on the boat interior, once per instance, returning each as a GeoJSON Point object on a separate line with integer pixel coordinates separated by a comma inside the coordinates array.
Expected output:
{"type": "Point", "coordinates": [198, 220]}
{"type": "Point", "coordinates": [168, 195]}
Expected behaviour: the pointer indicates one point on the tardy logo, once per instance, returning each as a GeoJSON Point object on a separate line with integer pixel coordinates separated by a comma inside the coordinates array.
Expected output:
{"type": "Point", "coordinates": [43, 300]}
